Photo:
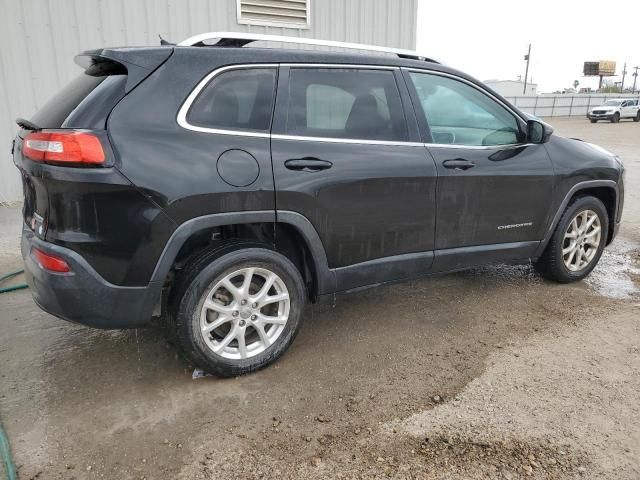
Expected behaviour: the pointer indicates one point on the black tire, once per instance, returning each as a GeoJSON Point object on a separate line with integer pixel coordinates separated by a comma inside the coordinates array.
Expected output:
{"type": "Point", "coordinates": [201, 275]}
{"type": "Point", "coordinates": [551, 264]}
{"type": "Point", "coordinates": [593, 120]}
{"type": "Point", "coordinates": [637, 117]}
{"type": "Point", "coordinates": [615, 118]}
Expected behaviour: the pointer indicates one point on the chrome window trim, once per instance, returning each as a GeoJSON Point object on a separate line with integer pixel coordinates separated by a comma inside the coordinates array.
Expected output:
{"type": "Point", "coordinates": [277, 136]}
{"type": "Point", "coordinates": [186, 105]}
{"type": "Point", "coordinates": [478, 147]}
{"type": "Point", "coordinates": [184, 109]}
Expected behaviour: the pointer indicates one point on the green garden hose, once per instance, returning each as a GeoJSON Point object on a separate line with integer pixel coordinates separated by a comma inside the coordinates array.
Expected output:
{"type": "Point", "coordinates": [5, 453]}
{"type": "Point", "coordinates": [5, 450]}
{"type": "Point", "coordinates": [11, 288]}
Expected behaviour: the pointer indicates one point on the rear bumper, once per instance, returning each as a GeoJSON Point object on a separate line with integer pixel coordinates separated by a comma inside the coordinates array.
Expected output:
{"type": "Point", "coordinates": [82, 295]}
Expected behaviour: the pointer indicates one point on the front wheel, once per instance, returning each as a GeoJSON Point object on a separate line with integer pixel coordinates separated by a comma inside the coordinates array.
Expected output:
{"type": "Point", "coordinates": [238, 311]}
{"type": "Point", "coordinates": [593, 120]}
{"type": "Point", "coordinates": [577, 242]}
{"type": "Point", "coordinates": [615, 118]}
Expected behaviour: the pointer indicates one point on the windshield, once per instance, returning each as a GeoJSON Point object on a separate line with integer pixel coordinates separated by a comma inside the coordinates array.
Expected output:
{"type": "Point", "coordinates": [612, 103]}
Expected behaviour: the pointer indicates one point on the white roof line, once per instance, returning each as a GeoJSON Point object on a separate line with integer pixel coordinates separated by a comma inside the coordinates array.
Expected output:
{"type": "Point", "coordinates": [254, 37]}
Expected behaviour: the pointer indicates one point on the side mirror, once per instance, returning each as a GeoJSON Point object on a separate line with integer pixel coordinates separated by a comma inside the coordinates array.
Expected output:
{"type": "Point", "coordinates": [538, 132]}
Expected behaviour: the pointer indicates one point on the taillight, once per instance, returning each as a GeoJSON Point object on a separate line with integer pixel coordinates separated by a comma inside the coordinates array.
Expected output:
{"type": "Point", "coordinates": [50, 262]}
{"type": "Point", "coordinates": [72, 147]}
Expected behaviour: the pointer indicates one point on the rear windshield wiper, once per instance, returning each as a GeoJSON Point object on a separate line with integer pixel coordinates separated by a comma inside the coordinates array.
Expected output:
{"type": "Point", "coordinates": [27, 125]}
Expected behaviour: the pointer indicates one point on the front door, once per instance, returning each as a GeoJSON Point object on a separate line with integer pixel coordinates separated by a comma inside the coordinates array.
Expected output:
{"type": "Point", "coordinates": [494, 190]}
{"type": "Point", "coordinates": [343, 157]}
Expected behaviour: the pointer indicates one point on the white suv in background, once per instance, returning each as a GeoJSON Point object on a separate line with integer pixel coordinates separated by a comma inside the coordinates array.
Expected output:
{"type": "Point", "coordinates": [615, 109]}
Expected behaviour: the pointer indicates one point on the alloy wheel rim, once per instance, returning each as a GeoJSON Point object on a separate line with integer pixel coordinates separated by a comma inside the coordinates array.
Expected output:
{"type": "Point", "coordinates": [244, 313]}
{"type": "Point", "coordinates": [581, 240]}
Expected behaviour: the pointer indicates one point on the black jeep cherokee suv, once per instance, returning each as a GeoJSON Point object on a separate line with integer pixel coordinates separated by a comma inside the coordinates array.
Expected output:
{"type": "Point", "coordinates": [222, 187]}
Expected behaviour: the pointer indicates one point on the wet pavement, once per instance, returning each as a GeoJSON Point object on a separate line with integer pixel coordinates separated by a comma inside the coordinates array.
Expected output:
{"type": "Point", "coordinates": [370, 388]}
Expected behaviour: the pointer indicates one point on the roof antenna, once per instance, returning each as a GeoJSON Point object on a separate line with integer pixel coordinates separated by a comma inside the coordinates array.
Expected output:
{"type": "Point", "coordinates": [163, 41]}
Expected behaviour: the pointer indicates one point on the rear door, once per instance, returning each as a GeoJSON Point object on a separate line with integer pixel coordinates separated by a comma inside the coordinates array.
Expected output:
{"type": "Point", "coordinates": [494, 190]}
{"type": "Point", "coordinates": [346, 156]}
{"type": "Point", "coordinates": [625, 109]}
{"type": "Point", "coordinates": [629, 108]}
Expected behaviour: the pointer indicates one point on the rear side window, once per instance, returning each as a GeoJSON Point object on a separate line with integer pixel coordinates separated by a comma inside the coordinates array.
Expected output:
{"type": "Point", "coordinates": [57, 109]}
{"type": "Point", "coordinates": [236, 100]}
{"type": "Point", "coordinates": [345, 103]}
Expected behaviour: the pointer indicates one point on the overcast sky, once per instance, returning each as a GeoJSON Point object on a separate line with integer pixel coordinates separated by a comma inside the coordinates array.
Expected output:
{"type": "Point", "coordinates": [488, 38]}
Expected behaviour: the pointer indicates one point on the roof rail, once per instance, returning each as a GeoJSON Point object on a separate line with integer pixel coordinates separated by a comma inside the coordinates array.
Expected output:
{"type": "Point", "coordinates": [239, 39]}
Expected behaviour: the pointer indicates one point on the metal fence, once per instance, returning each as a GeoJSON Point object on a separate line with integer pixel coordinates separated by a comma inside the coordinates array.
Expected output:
{"type": "Point", "coordinates": [563, 105]}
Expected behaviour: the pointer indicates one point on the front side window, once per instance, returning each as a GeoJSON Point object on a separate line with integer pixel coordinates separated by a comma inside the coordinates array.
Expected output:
{"type": "Point", "coordinates": [459, 114]}
{"type": "Point", "coordinates": [239, 99]}
{"type": "Point", "coordinates": [345, 104]}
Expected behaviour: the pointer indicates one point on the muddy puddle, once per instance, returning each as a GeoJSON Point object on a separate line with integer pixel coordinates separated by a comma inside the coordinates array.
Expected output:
{"type": "Point", "coordinates": [618, 272]}
{"type": "Point", "coordinates": [616, 276]}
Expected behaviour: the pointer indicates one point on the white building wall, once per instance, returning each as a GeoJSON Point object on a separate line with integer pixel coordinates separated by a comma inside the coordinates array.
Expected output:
{"type": "Point", "coordinates": [511, 88]}
{"type": "Point", "coordinates": [39, 39]}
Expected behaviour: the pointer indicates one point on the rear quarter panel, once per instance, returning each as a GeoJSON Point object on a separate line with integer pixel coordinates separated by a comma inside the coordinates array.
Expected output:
{"type": "Point", "coordinates": [176, 167]}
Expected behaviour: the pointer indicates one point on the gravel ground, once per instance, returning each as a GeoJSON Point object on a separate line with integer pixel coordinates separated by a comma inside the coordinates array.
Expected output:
{"type": "Point", "coordinates": [491, 373]}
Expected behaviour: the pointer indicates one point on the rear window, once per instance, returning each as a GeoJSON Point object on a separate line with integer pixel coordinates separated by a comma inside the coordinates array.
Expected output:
{"type": "Point", "coordinates": [57, 109]}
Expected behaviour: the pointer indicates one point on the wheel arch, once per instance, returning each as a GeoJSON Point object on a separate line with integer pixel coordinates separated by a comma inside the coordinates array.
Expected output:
{"type": "Point", "coordinates": [604, 190]}
{"type": "Point", "coordinates": [292, 234]}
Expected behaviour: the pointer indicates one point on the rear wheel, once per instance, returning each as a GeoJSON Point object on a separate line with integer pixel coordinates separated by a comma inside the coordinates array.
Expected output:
{"type": "Point", "coordinates": [615, 118]}
{"type": "Point", "coordinates": [577, 242]}
{"type": "Point", "coordinates": [637, 117]}
{"type": "Point", "coordinates": [238, 311]}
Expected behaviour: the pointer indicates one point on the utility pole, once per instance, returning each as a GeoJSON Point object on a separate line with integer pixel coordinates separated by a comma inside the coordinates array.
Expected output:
{"type": "Point", "coordinates": [624, 74]}
{"type": "Point", "coordinates": [527, 57]}
{"type": "Point", "coordinates": [635, 77]}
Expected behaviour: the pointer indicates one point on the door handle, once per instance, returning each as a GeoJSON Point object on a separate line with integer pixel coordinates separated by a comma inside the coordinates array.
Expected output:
{"type": "Point", "coordinates": [308, 164]}
{"type": "Point", "coordinates": [458, 164]}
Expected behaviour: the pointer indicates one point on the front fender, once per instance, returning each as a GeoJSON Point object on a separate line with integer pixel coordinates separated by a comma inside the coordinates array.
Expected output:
{"type": "Point", "coordinates": [577, 188]}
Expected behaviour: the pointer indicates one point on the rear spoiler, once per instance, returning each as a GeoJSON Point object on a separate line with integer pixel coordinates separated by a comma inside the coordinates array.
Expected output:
{"type": "Point", "coordinates": [137, 63]}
